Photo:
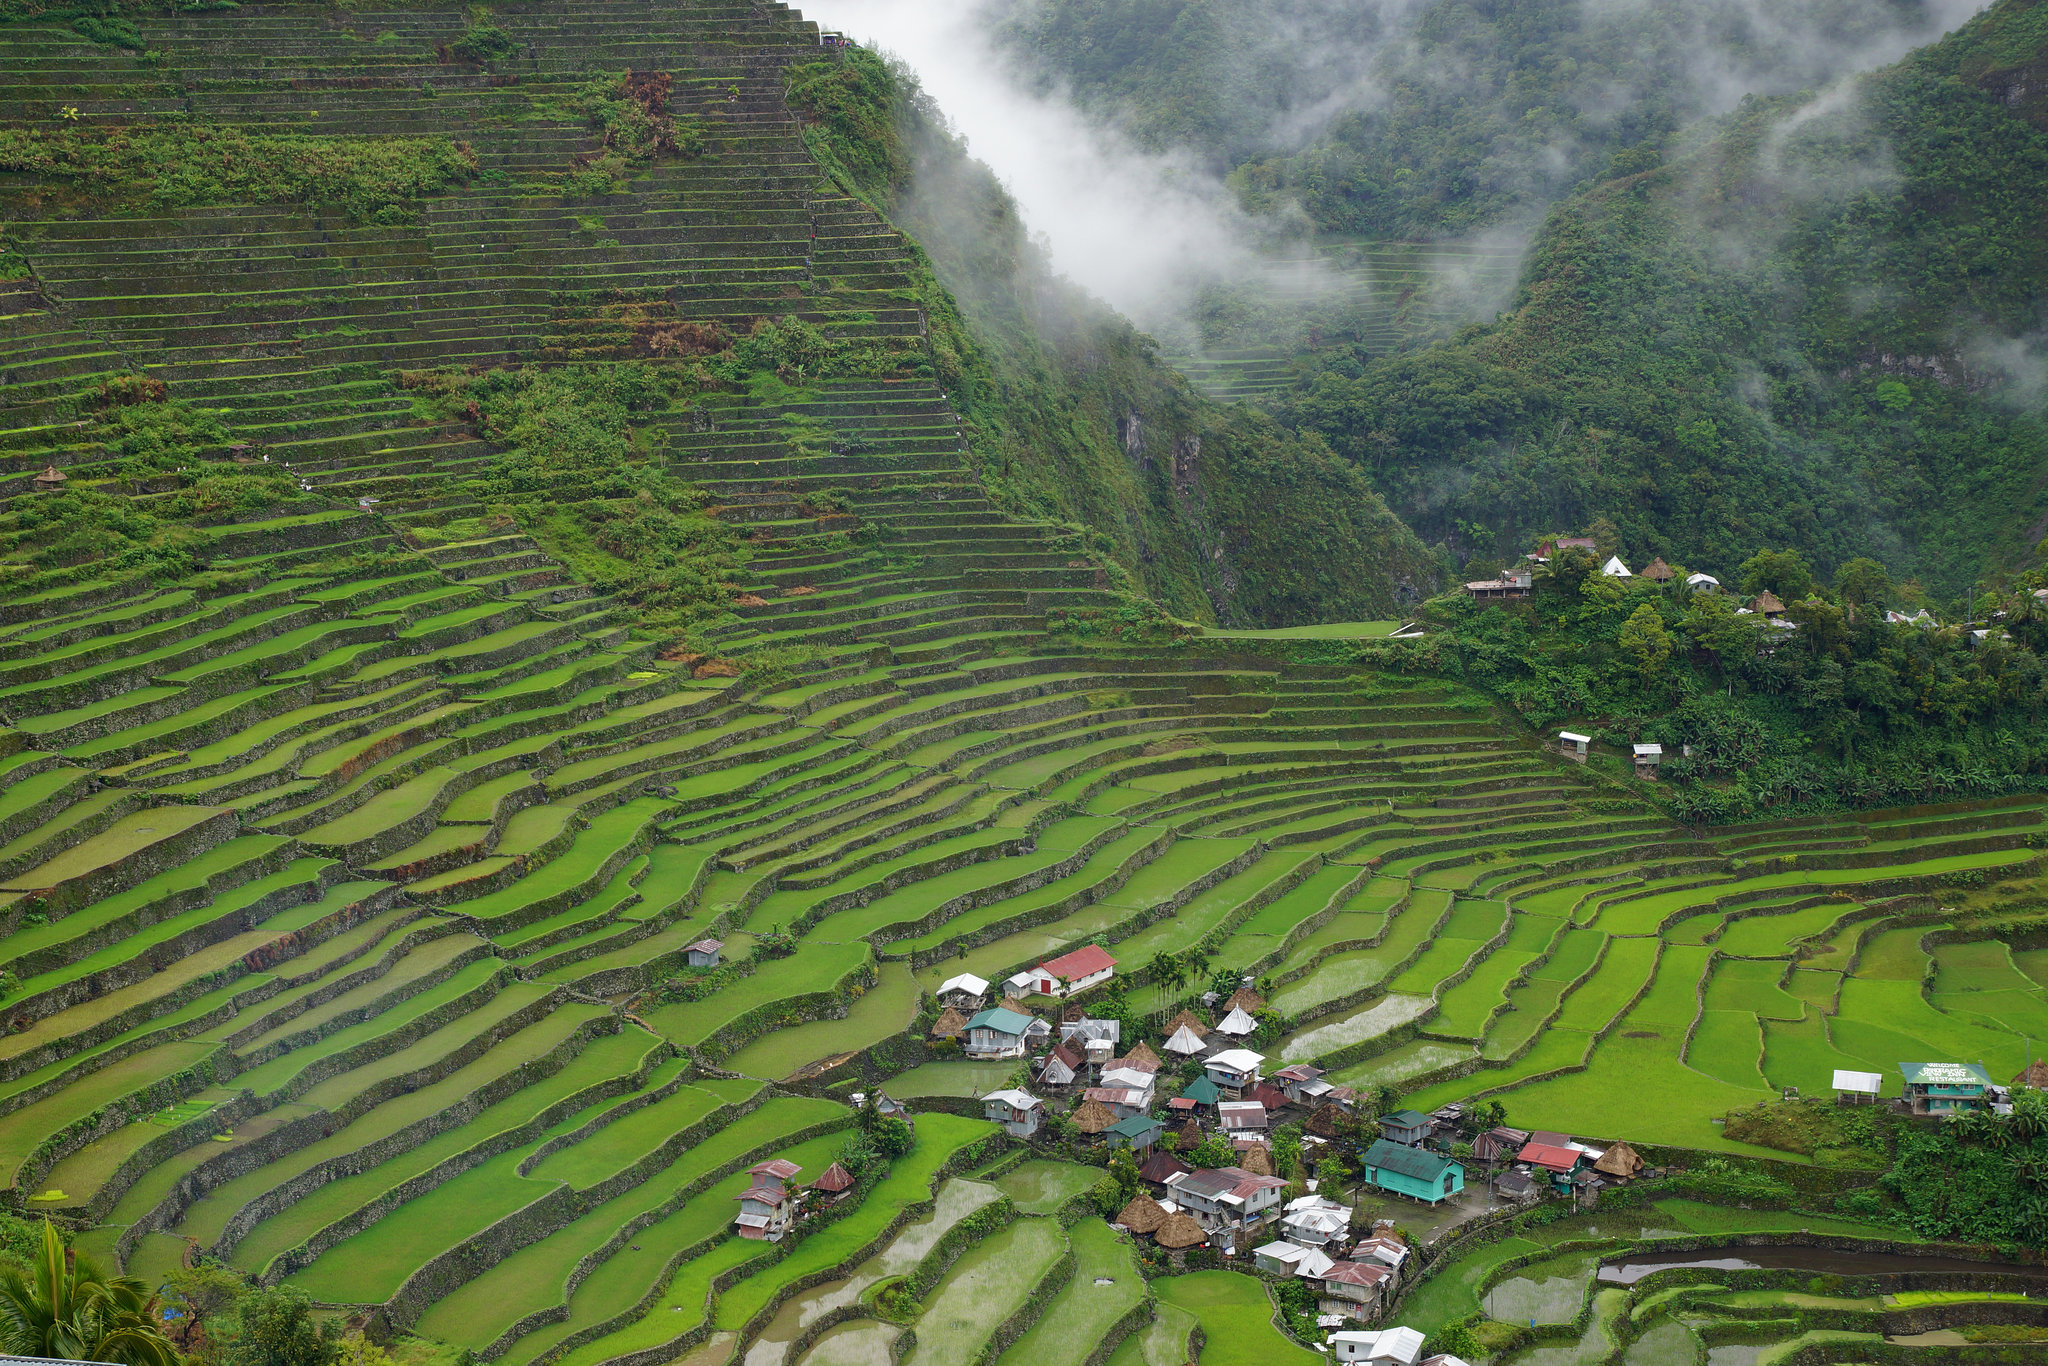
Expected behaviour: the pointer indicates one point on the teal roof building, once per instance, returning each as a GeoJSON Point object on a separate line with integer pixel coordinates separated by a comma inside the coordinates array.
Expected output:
{"type": "Point", "coordinates": [1414, 1172]}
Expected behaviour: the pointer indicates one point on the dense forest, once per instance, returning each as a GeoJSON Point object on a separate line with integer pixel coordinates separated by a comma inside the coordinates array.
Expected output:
{"type": "Point", "coordinates": [1810, 321]}
{"type": "Point", "coordinates": [1428, 119]}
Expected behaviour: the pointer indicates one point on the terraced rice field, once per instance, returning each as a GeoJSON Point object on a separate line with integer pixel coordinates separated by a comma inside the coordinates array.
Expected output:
{"type": "Point", "coordinates": [1380, 294]}
{"type": "Point", "coordinates": [349, 907]}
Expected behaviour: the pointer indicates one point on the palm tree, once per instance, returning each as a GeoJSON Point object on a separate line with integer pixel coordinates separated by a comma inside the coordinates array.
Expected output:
{"type": "Point", "coordinates": [71, 1309]}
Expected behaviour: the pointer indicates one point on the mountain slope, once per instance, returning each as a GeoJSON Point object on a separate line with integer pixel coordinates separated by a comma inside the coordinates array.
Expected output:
{"type": "Point", "coordinates": [1813, 331]}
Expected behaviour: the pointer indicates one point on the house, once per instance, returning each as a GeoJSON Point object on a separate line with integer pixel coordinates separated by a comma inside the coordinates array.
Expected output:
{"type": "Point", "coordinates": [1546, 549]}
{"type": "Point", "coordinates": [1228, 1197]}
{"type": "Point", "coordinates": [1922, 618]}
{"type": "Point", "coordinates": [768, 1206]}
{"type": "Point", "coordinates": [1291, 1259]}
{"type": "Point", "coordinates": [996, 1033]}
{"type": "Point", "coordinates": [1647, 759]}
{"type": "Point", "coordinates": [1942, 1088]}
{"type": "Point", "coordinates": [1139, 1133]}
{"type": "Point", "coordinates": [1070, 972]}
{"type": "Point", "coordinates": [1387, 1347]}
{"type": "Point", "coordinates": [1185, 1043]}
{"type": "Point", "coordinates": [1062, 1067]}
{"type": "Point", "coordinates": [1351, 1288]}
{"type": "Point", "coordinates": [1313, 1221]}
{"type": "Point", "coordinates": [1514, 1184]}
{"type": "Point", "coordinates": [1097, 1039]}
{"type": "Point", "coordinates": [1019, 1112]}
{"type": "Point", "coordinates": [1120, 1103]}
{"type": "Point", "coordinates": [1302, 1084]}
{"type": "Point", "coordinates": [1236, 1117]}
{"type": "Point", "coordinates": [703, 953]}
{"type": "Point", "coordinates": [1268, 1095]}
{"type": "Point", "coordinates": [965, 991]}
{"type": "Point", "coordinates": [951, 1024]}
{"type": "Point", "coordinates": [1413, 1172]}
{"type": "Point", "coordinates": [1703, 583]}
{"type": "Point", "coordinates": [834, 1185]}
{"type": "Point", "coordinates": [1573, 745]}
{"type": "Point", "coordinates": [1515, 582]}
{"type": "Point", "coordinates": [1499, 1144]}
{"type": "Point", "coordinates": [1161, 1168]}
{"type": "Point", "coordinates": [1857, 1088]}
{"type": "Point", "coordinates": [1234, 1070]}
{"type": "Point", "coordinates": [1407, 1127]}
{"type": "Point", "coordinates": [1383, 1249]}
{"type": "Point", "coordinates": [1130, 1079]}
{"type": "Point", "coordinates": [1555, 1160]}
{"type": "Point", "coordinates": [1658, 572]}
{"type": "Point", "coordinates": [1615, 569]}
{"type": "Point", "coordinates": [1201, 1091]}
{"type": "Point", "coordinates": [1237, 1024]}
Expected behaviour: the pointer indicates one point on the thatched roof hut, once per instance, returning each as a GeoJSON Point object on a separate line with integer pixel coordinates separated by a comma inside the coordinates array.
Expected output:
{"type": "Point", "coordinates": [1142, 1215]}
{"type": "Point", "coordinates": [1658, 571]}
{"type": "Point", "coordinates": [950, 1024]}
{"type": "Point", "coordinates": [1178, 1232]}
{"type": "Point", "coordinates": [1188, 1020]}
{"type": "Point", "coordinates": [1190, 1136]}
{"type": "Point", "coordinates": [1140, 1055]}
{"type": "Point", "coordinates": [1256, 1160]}
{"type": "Point", "coordinates": [2035, 1077]}
{"type": "Point", "coordinates": [1323, 1123]}
{"type": "Point", "coordinates": [1245, 999]}
{"type": "Point", "coordinates": [1619, 1160]}
{"type": "Point", "coordinates": [1093, 1117]}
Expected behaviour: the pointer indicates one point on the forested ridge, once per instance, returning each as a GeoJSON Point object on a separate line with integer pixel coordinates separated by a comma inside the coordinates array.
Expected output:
{"type": "Point", "coordinates": [1807, 323]}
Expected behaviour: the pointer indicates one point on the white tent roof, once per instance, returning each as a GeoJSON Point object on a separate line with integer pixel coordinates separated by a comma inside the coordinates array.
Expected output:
{"type": "Point", "coordinates": [1237, 1023]}
{"type": "Point", "coordinates": [1695, 580]}
{"type": "Point", "coordinates": [967, 982]}
{"type": "Point", "coordinates": [1184, 1042]}
{"type": "Point", "coordinates": [1615, 569]}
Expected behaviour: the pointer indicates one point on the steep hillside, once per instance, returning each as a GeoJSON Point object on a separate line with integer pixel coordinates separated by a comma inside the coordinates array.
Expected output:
{"type": "Point", "coordinates": [1816, 331]}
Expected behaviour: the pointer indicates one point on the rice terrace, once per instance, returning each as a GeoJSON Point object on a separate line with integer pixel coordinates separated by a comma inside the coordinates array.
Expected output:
{"type": "Point", "coordinates": [570, 795]}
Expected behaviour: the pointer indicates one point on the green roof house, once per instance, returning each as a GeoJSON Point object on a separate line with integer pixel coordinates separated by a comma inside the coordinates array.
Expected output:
{"type": "Point", "coordinates": [995, 1033]}
{"type": "Point", "coordinates": [1942, 1088]}
{"type": "Point", "coordinates": [1139, 1132]}
{"type": "Point", "coordinates": [1413, 1172]}
{"type": "Point", "coordinates": [1409, 1127]}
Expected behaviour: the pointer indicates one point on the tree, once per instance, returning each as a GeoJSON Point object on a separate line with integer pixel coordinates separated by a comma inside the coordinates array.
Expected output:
{"type": "Point", "coordinates": [893, 1137]}
{"type": "Point", "coordinates": [278, 1329]}
{"type": "Point", "coordinates": [1863, 582]}
{"type": "Point", "coordinates": [1453, 1339]}
{"type": "Point", "coordinates": [64, 1306]}
{"type": "Point", "coordinates": [1117, 1185]}
{"type": "Point", "coordinates": [1213, 1151]}
{"type": "Point", "coordinates": [1644, 639]}
{"type": "Point", "coordinates": [203, 1293]}
{"type": "Point", "coordinates": [1783, 572]}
